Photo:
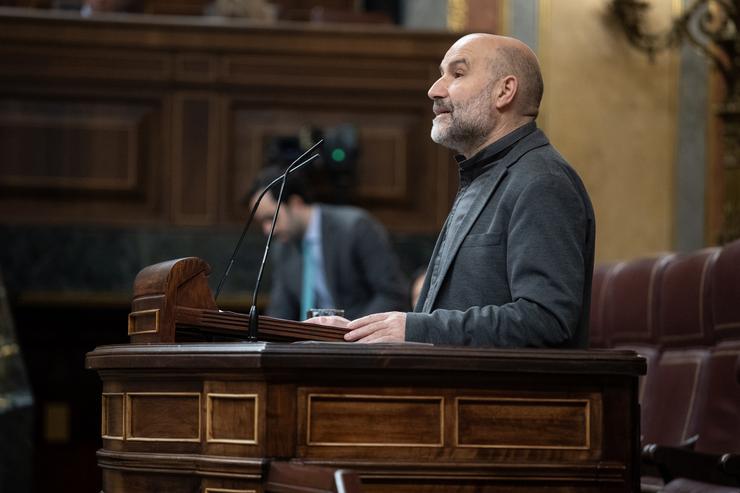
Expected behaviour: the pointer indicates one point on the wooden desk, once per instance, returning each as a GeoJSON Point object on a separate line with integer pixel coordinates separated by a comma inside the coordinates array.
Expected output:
{"type": "Point", "coordinates": [208, 417]}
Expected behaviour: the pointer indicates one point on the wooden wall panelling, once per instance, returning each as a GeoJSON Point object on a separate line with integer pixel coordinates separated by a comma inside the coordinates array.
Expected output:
{"type": "Point", "coordinates": [195, 158]}
{"type": "Point", "coordinates": [396, 169]}
{"type": "Point", "coordinates": [57, 61]}
{"type": "Point", "coordinates": [203, 80]}
{"type": "Point", "coordinates": [75, 156]}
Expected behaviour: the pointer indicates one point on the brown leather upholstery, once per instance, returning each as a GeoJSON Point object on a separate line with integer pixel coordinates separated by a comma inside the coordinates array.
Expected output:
{"type": "Point", "coordinates": [725, 288]}
{"type": "Point", "coordinates": [597, 331]}
{"type": "Point", "coordinates": [630, 313]}
{"type": "Point", "coordinates": [684, 305]}
{"type": "Point", "coordinates": [719, 426]}
{"type": "Point", "coordinates": [670, 401]}
{"type": "Point", "coordinates": [671, 398]}
{"type": "Point", "coordinates": [630, 309]}
{"type": "Point", "coordinates": [683, 314]}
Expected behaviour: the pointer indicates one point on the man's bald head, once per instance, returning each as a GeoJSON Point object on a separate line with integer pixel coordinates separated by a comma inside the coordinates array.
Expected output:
{"type": "Point", "coordinates": [488, 86]}
{"type": "Point", "coordinates": [509, 56]}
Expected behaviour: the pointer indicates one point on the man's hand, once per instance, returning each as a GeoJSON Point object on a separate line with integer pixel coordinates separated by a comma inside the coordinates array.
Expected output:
{"type": "Point", "coordinates": [331, 321]}
{"type": "Point", "coordinates": [378, 327]}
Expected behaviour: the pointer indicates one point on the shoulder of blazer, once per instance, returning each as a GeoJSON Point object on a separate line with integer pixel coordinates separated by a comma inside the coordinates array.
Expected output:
{"type": "Point", "coordinates": [532, 141]}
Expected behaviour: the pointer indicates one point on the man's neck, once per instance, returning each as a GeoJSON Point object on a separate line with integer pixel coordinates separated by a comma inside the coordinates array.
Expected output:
{"type": "Point", "coordinates": [500, 131]}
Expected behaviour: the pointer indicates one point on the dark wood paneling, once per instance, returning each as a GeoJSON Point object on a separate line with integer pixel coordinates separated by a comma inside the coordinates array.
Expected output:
{"type": "Point", "coordinates": [163, 417]}
{"type": "Point", "coordinates": [374, 420]}
{"type": "Point", "coordinates": [558, 424]}
{"type": "Point", "coordinates": [454, 419]}
{"type": "Point", "coordinates": [113, 416]}
{"type": "Point", "coordinates": [62, 146]}
{"type": "Point", "coordinates": [393, 178]}
{"type": "Point", "coordinates": [76, 158]}
{"type": "Point", "coordinates": [169, 117]}
{"type": "Point", "coordinates": [195, 159]}
{"type": "Point", "coordinates": [232, 418]}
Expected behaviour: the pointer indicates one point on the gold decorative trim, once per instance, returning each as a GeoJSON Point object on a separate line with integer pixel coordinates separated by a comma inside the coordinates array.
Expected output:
{"type": "Point", "coordinates": [104, 416]}
{"type": "Point", "coordinates": [209, 409]}
{"type": "Point", "coordinates": [227, 490]}
{"type": "Point", "coordinates": [587, 403]}
{"type": "Point", "coordinates": [726, 352]}
{"type": "Point", "coordinates": [9, 349]}
{"type": "Point", "coordinates": [457, 15]}
{"type": "Point", "coordinates": [141, 313]}
{"type": "Point", "coordinates": [544, 52]}
{"type": "Point", "coordinates": [730, 325]}
{"type": "Point", "coordinates": [441, 400]}
{"type": "Point", "coordinates": [128, 417]}
{"type": "Point", "coordinates": [504, 24]}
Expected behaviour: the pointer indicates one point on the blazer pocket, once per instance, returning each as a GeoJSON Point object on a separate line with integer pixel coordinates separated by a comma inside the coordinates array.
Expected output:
{"type": "Point", "coordinates": [480, 240]}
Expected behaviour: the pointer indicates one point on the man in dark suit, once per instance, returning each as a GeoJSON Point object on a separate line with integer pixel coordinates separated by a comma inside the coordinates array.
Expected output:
{"type": "Point", "coordinates": [512, 266]}
{"type": "Point", "coordinates": [327, 256]}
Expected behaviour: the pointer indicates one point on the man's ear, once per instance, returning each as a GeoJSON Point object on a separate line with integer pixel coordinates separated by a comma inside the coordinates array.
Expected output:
{"type": "Point", "coordinates": [504, 91]}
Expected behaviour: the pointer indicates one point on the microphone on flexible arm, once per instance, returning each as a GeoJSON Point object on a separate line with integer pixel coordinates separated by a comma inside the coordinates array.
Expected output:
{"type": "Point", "coordinates": [253, 315]}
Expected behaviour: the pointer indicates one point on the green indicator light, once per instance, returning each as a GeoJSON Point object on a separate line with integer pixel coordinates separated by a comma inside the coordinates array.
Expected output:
{"type": "Point", "coordinates": [338, 155]}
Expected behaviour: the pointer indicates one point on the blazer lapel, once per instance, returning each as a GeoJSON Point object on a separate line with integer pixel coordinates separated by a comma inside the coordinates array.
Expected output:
{"type": "Point", "coordinates": [424, 293]}
{"type": "Point", "coordinates": [487, 187]}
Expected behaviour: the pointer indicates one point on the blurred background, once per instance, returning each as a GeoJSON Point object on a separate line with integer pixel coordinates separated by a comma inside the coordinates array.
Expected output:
{"type": "Point", "coordinates": [130, 132]}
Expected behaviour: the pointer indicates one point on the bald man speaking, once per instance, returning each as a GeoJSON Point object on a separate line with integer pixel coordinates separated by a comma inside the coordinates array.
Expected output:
{"type": "Point", "coordinates": [513, 263]}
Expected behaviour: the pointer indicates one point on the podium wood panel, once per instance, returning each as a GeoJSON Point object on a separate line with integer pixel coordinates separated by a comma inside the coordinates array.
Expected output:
{"type": "Point", "coordinates": [407, 417]}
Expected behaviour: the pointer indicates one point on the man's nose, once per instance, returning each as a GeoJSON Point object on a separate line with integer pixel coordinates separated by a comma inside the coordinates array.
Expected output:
{"type": "Point", "coordinates": [438, 89]}
{"type": "Point", "coordinates": [266, 226]}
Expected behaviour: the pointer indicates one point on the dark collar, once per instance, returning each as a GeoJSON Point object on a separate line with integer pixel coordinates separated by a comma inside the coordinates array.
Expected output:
{"type": "Point", "coordinates": [491, 154]}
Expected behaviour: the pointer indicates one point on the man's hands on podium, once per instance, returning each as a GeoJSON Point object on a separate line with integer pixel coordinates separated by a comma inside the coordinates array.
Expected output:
{"type": "Point", "coordinates": [378, 327]}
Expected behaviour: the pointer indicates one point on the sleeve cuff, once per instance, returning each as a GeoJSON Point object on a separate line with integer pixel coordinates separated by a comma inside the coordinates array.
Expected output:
{"type": "Point", "coordinates": [415, 327]}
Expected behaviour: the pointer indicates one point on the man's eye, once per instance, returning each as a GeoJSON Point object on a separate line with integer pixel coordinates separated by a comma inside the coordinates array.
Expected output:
{"type": "Point", "coordinates": [458, 74]}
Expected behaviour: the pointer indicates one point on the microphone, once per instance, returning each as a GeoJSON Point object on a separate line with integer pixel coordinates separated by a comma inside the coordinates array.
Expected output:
{"type": "Point", "coordinates": [253, 315]}
{"type": "Point", "coordinates": [277, 180]}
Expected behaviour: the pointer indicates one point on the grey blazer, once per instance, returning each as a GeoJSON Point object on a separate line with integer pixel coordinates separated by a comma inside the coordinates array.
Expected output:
{"type": "Point", "coordinates": [519, 273]}
{"type": "Point", "coordinates": [362, 271]}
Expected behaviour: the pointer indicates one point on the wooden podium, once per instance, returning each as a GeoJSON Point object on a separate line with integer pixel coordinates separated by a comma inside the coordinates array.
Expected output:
{"type": "Point", "coordinates": [208, 417]}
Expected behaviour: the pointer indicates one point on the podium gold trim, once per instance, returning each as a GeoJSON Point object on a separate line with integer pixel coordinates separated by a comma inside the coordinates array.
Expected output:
{"type": "Point", "coordinates": [438, 444]}
{"type": "Point", "coordinates": [587, 427]}
{"type": "Point", "coordinates": [209, 419]}
{"type": "Point", "coordinates": [132, 323]}
{"type": "Point", "coordinates": [104, 416]}
{"type": "Point", "coordinates": [129, 416]}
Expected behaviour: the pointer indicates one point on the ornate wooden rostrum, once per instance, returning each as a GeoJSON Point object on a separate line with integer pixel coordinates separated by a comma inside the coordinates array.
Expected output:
{"type": "Point", "coordinates": [209, 417]}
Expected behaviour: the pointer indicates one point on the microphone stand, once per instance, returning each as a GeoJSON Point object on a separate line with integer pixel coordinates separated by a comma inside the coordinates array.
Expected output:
{"type": "Point", "coordinates": [289, 170]}
{"type": "Point", "coordinates": [253, 312]}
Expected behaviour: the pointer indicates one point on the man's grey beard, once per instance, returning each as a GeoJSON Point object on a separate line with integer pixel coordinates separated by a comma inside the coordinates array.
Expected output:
{"type": "Point", "coordinates": [469, 125]}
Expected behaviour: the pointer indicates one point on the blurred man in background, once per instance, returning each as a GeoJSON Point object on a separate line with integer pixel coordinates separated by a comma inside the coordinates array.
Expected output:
{"type": "Point", "coordinates": [327, 256]}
